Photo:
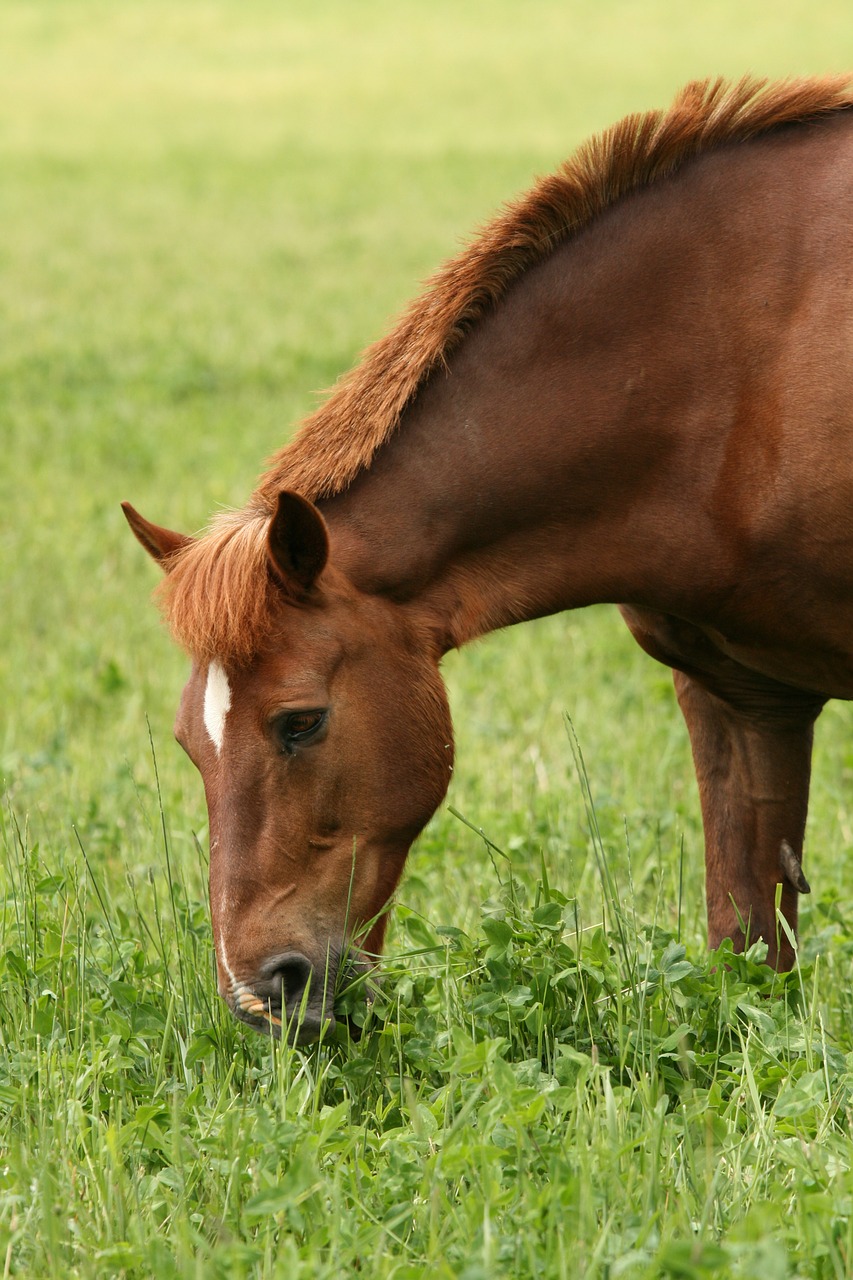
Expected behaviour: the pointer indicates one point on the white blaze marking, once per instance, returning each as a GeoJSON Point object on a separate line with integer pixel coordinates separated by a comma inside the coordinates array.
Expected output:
{"type": "Point", "coordinates": [223, 956]}
{"type": "Point", "coordinates": [217, 703]}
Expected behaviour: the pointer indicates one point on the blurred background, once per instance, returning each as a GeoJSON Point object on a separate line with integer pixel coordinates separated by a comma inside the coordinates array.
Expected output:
{"type": "Point", "coordinates": [206, 210]}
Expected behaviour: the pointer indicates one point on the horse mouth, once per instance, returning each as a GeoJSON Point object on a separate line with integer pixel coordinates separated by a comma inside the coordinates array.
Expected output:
{"type": "Point", "coordinates": [302, 1027]}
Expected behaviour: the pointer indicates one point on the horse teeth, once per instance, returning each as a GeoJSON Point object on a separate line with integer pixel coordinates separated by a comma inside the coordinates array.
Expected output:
{"type": "Point", "coordinates": [252, 1005]}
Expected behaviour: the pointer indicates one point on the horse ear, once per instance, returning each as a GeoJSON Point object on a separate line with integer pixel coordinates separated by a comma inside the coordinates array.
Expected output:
{"type": "Point", "coordinates": [297, 540]}
{"type": "Point", "coordinates": [161, 544]}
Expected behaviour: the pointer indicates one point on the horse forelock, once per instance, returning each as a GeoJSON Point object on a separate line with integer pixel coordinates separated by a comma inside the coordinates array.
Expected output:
{"type": "Point", "coordinates": [340, 438]}
{"type": "Point", "coordinates": [218, 596]}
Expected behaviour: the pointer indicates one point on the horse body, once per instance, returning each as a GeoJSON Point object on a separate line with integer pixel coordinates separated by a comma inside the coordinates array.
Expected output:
{"type": "Point", "coordinates": [656, 414]}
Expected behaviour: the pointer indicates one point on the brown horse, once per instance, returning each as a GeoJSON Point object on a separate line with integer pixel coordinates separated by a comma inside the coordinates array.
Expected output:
{"type": "Point", "coordinates": [636, 386]}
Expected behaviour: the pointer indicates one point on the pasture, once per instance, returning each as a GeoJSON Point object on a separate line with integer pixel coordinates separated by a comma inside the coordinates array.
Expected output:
{"type": "Point", "coordinates": [207, 211]}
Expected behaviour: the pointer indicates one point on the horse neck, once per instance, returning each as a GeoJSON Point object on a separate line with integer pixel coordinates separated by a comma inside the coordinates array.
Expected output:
{"type": "Point", "coordinates": [529, 478]}
{"type": "Point", "coordinates": [577, 447]}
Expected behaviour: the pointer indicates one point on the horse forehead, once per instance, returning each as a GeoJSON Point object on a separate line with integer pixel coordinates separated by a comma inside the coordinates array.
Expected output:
{"type": "Point", "coordinates": [218, 687]}
{"type": "Point", "coordinates": [299, 661]}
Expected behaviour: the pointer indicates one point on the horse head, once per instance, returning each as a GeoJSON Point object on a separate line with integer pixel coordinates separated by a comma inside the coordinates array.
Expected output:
{"type": "Point", "coordinates": [324, 742]}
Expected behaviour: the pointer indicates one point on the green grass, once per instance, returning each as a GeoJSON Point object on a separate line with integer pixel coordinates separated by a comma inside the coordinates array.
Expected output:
{"type": "Point", "coordinates": [207, 209]}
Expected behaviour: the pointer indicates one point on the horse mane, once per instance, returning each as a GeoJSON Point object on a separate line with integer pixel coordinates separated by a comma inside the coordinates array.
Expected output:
{"type": "Point", "coordinates": [217, 594]}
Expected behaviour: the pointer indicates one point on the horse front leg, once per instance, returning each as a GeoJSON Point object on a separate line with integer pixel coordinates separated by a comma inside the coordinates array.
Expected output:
{"type": "Point", "coordinates": [753, 763]}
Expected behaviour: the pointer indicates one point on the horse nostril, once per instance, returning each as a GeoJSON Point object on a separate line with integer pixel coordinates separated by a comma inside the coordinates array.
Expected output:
{"type": "Point", "coordinates": [285, 978]}
{"type": "Point", "coordinates": [289, 998]}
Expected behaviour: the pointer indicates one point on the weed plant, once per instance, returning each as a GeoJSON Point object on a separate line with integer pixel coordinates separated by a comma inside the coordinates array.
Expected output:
{"type": "Point", "coordinates": [540, 1094]}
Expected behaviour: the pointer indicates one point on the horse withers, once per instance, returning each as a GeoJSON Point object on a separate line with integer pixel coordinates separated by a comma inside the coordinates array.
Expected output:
{"type": "Point", "coordinates": [634, 386]}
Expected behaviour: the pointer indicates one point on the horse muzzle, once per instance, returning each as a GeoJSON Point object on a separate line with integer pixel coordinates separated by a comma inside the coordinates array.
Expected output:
{"type": "Point", "coordinates": [290, 998]}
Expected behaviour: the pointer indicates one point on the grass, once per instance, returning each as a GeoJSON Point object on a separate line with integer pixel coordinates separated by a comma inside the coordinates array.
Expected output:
{"type": "Point", "coordinates": [207, 211]}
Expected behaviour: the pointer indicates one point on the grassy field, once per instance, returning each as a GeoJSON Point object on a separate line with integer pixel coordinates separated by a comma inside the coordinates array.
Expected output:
{"type": "Point", "coordinates": [207, 210]}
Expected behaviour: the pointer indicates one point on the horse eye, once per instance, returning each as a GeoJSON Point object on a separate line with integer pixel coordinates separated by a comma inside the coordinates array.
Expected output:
{"type": "Point", "coordinates": [298, 726]}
